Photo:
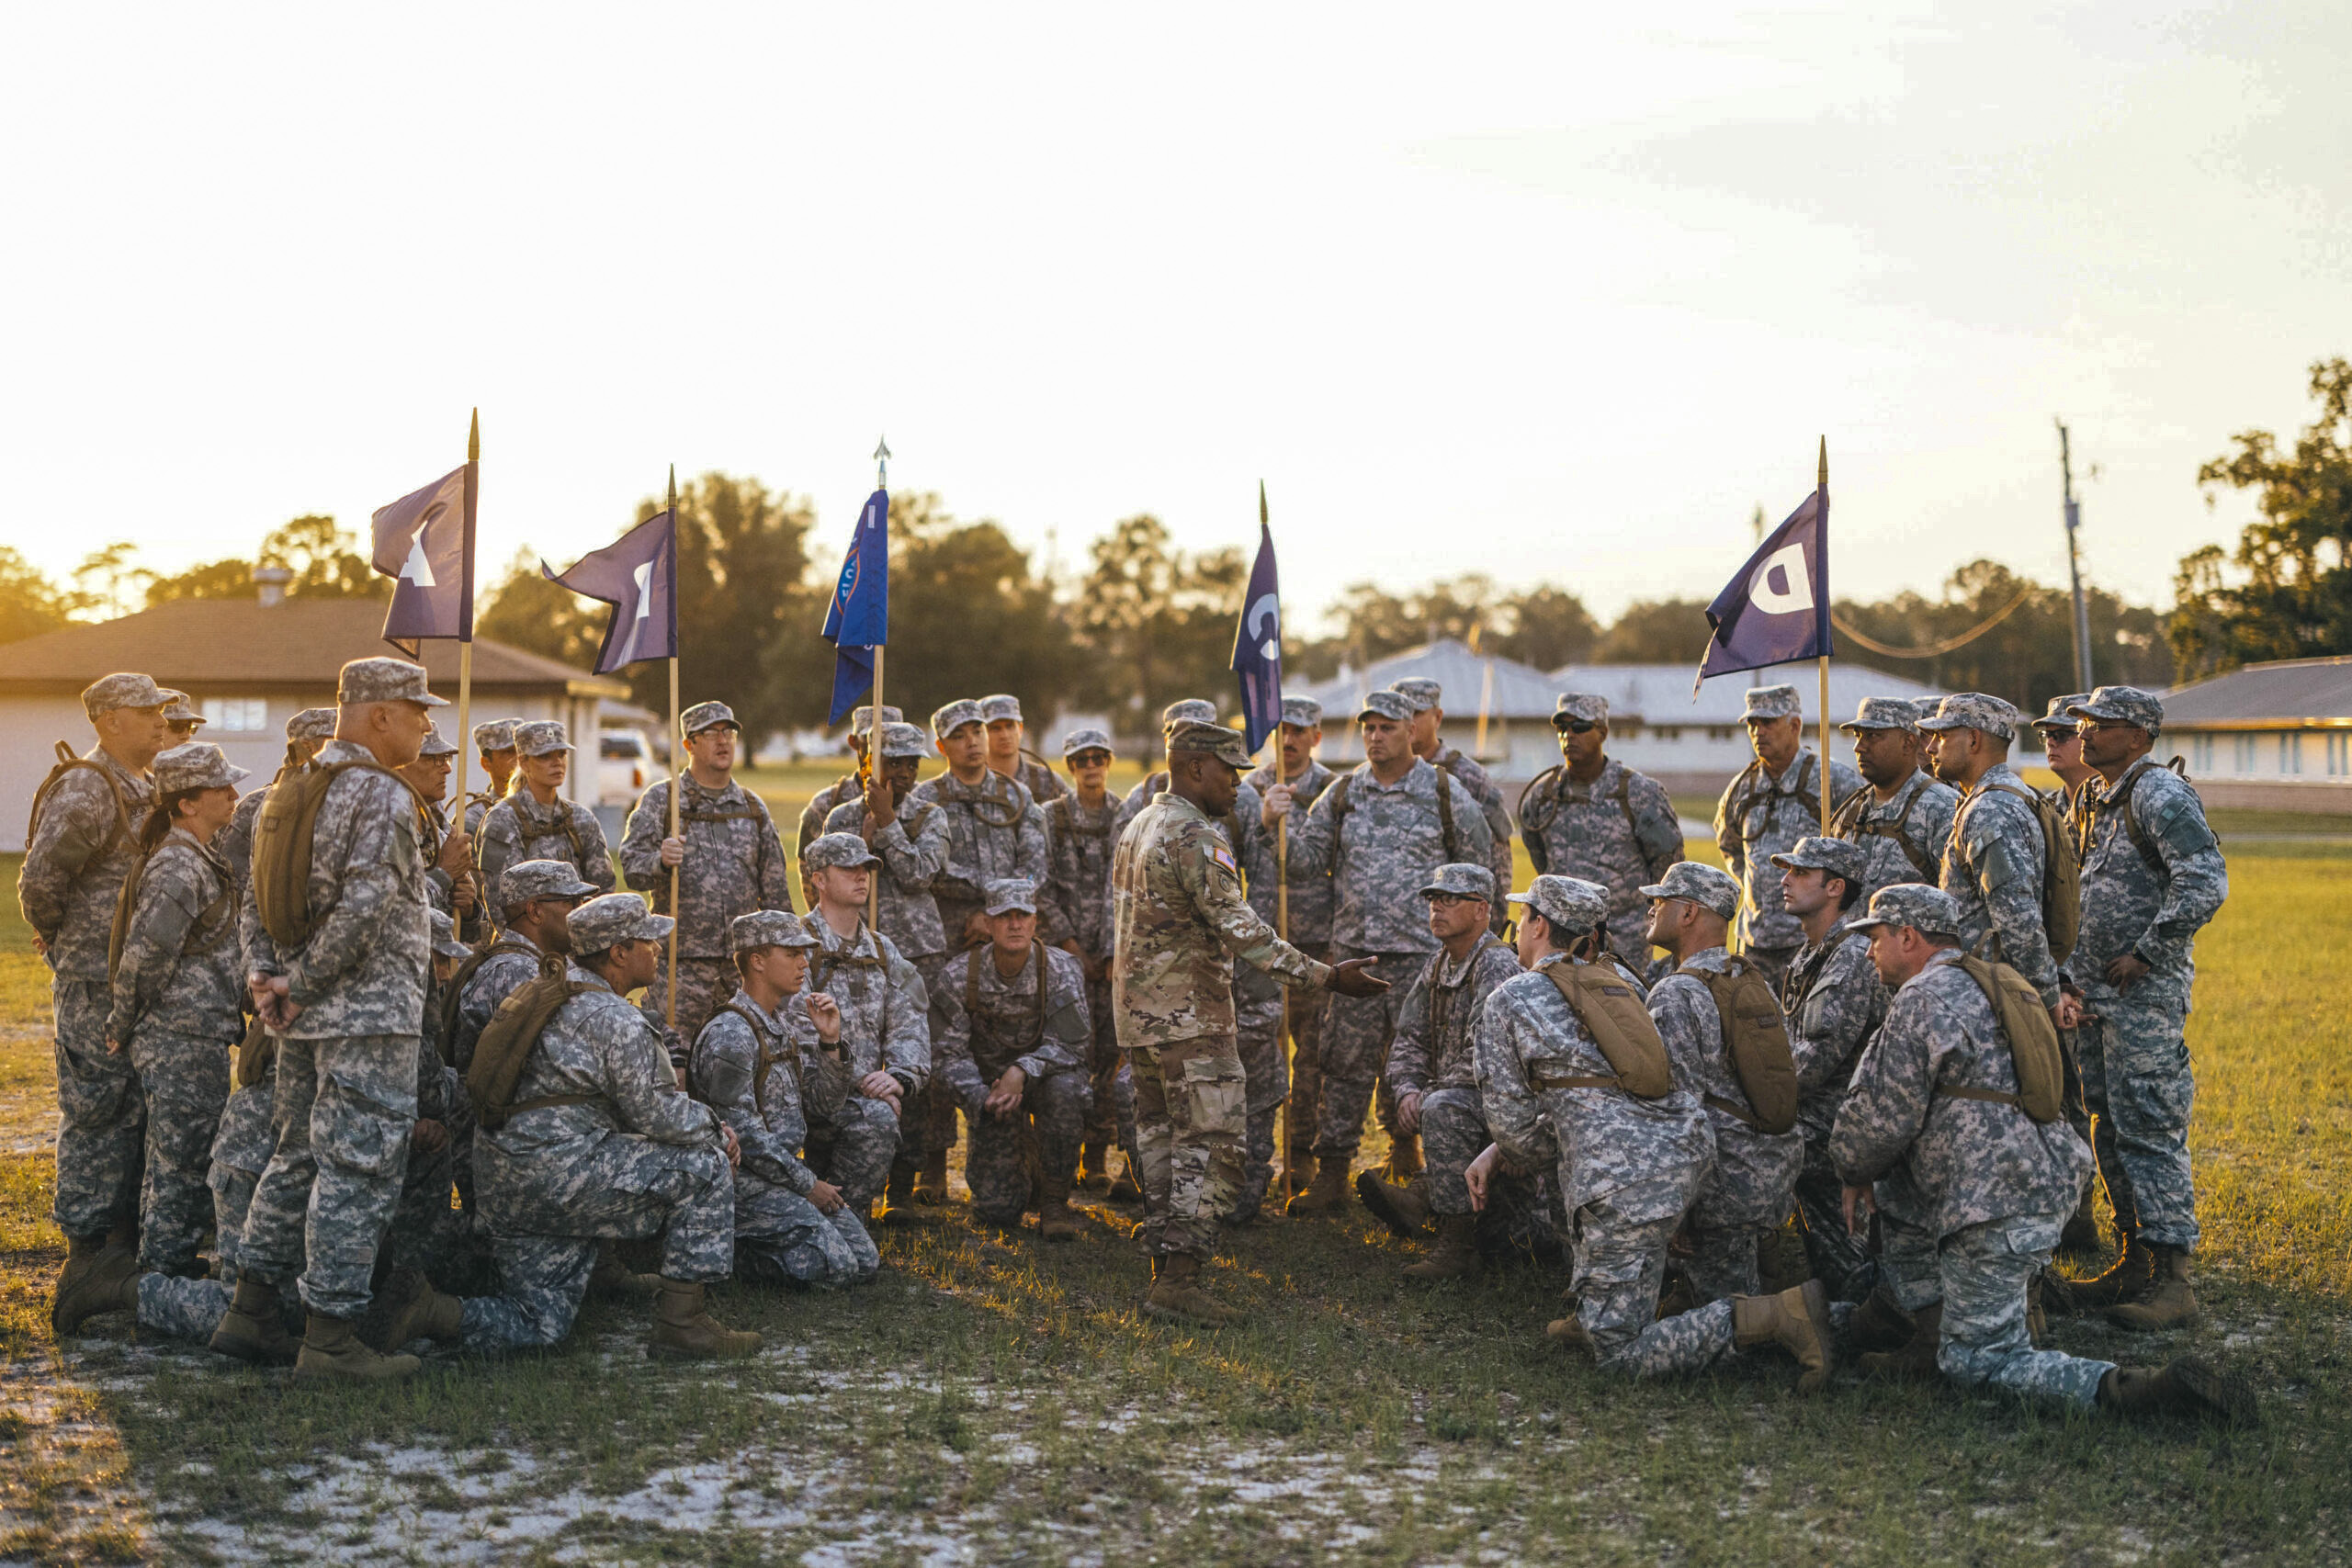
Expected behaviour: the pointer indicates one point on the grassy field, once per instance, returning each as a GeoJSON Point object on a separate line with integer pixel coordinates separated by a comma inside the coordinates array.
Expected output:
{"type": "Point", "coordinates": [990, 1399]}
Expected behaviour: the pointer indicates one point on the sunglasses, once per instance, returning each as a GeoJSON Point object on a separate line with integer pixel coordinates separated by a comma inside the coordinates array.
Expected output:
{"type": "Point", "coordinates": [2091, 725]}
{"type": "Point", "coordinates": [1090, 759]}
{"type": "Point", "coordinates": [1575, 725]}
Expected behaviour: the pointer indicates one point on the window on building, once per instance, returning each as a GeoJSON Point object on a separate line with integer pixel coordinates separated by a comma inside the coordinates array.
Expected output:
{"type": "Point", "coordinates": [237, 715]}
{"type": "Point", "coordinates": [1669, 732]}
{"type": "Point", "coordinates": [2290, 754]}
{"type": "Point", "coordinates": [2339, 754]}
{"type": "Point", "coordinates": [1719, 732]}
{"type": "Point", "coordinates": [2241, 753]}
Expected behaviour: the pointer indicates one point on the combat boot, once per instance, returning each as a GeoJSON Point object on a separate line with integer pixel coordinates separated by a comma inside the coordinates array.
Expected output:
{"type": "Point", "coordinates": [1404, 1158]}
{"type": "Point", "coordinates": [1057, 1221]}
{"type": "Point", "coordinates": [110, 1285]}
{"type": "Point", "coordinates": [1094, 1168]}
{"type": "Point", "coordinates": [2170, 1304]}
{"type": "Point", "coordinates": [1797, 1320]}
{"type": "Point", "coordinates": [2186, 1386]}
{"type": "Point", "coordinates": [1457, 1252]}
{"type": "Point", "coordinates": [2131, 1276]}
{"type": "Point", "coordinates": [1568, 1333]}
{"type": "Point", "coordinates": [1328, 1192]}
{"type": "Point", "coordinates": [252, 1330]}
{"type": "Point", "coordinates": [2081, 1232]}
{"type": "Point", "coordinates": [610, 1280]}
{"type": "Point", "coordinates": [1250, 1201]}
{"type": "Point", "coordinates": [331, 1350]}
{"type": "Point", "coordinates": [900, 1192]}
{"type": "Point", "coordinates": [930, 1186]}
{"type": "Point", "coordinates": [1915, 1357]}
{"type": "Point", "coordinates": [684, 1331]}
{"type": "Point", "coordinates": [1880, 1324]}
{"type": "Point", "coordinates": [1127, 1189]}
{"type": "Point", "coordinates": [1405, 1210]}
{"type": "Point", "coordinates": [1177, 1295]}
{"type": "Point", "coordinates": [407, 1307]}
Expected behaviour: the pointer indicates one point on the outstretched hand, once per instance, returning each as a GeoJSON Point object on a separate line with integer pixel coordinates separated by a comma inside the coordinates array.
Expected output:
{"type": "Point", "coordinates": [1354, 977]}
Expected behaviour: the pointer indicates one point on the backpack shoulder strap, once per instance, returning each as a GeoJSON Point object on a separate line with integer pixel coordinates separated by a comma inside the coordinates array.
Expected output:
{"type": "Point", "coordinates": [2122, 807]}
{"type": "Point", "coordinates": [68, 762]}
{"type": "Point", "coordinates": [1445, 815]}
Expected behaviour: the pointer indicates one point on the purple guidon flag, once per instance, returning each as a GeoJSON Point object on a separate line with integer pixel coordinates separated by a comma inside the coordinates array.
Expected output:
{"type": "Point", "coordinates": [1258, 643]}
{"type": "Point", "coordinates": [637, 574]}
{"type": "Point", "coordinates": [425, 541]}
{"type": "Point", "coordinates": [1776, 611]}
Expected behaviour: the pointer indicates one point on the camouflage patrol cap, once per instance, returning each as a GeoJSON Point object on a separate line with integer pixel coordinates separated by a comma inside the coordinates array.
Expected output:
{"type": "Point", "coordinates": [1394, 705]}
{"type": "Point", "coordinates": [1304, 712]}
{"type": "Point", "coordinates": [861, 717]}
{"type": "Point", "coordinates": [541, 738]}
{"type": "Point", "coordinates": [1189, 710]}
{"type": "Point", "coordinates": [955, 716]}
{"type": "Point", "coordinates": [706, 716]}
{"type": "Point", "coordinates": [1462, 880]}
{"type": "Point", "coordinates": [317, 724]}
{"type": "Point", "coordinates": [176, 709]}
{"type": "Point", "coordinates": [1770, 701]}
{"type": "Point", "coordinates": [1089, 740]}
{"type": "Point", "coordinates": [904, 740]}
{"type": "Point", "coordinates": [384, 680]}
{"type": "Point", "coordinates": [767, 928]}
{"type": "Point", "coordinates": [529, 879]}
{"type": "Point", "coordinates": [1913, 904]}
{"type": "Point", "coordinates": [445, 937]}
{"type": "Point", "coordinates": [1006, 895]}
{"type": "Point", "coordinates": [1975, 710]}
{"type": "Point", "coordinates": [616, 918]}
{"type": "Point", "coordinates": [2123, 705]}
{"type": "Point", "coordinates": [494, 735]}
{"type": "Point", "coordinates": [111, 691]}
{"type": "Point", "coordinates": [1573, 904]}
{"type": "Point", "coordinates": [846, 851]}
{"type": "Point", "coordinates": [1701, 885]}
{"type": "Point", "coordinates": [1004, 705]}
{"type": "Point", "coordinates": [196, 764]}
{"type": "Point", "coordinates": [1840, 858]}
{"type": "Point", "coordinates": [1420, 691]}
{"type": "Point", "coordinates": [1587, 706]}
{"type": "Point", "coordinates": [1882, 713]}
{"type": "Point", "coordinates": [435, 745]}
{"type": "Point", "coordinates": [2061, 715]}
{"type": "Point", "coordinates": [1223, 744]}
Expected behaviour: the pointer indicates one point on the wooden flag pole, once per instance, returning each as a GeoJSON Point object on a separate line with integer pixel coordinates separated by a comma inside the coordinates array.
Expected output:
{"type": "Point", "coordinates": [874, 709]}
{"type": "Point", "coordinates": [1821, 537]}
{"type": "Point", "coordinates": [677, 788]}
{"type": "Point", "coordinates": [466, 658]}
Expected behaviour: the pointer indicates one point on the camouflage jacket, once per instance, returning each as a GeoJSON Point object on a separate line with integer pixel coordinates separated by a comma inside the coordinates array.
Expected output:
{"type": "Point", "coordinates": [2151, 902]}
{"type": "Point", "coordinates": [511, 960]}
{"type": "Point", "coordinates": [363, 968]}
{"type": "Point", "coordinates": [1754, 1171]}
{"type": "Point", "coordinates": [1383, 850]}
{"type": "Point", "coordinates": [1179, 920]}
{"type": "Point", "coordinates": [1762, 814]}
{"type": "Point", "coordinates": [908, 911]}
{"type": "Point", "coordinates": [181, 971]}
{"type": "Point", "coordinates": [820, 808]}
{"type": "Point", "coordinates": [81, 849]}
{"type": "Point", "coordinates": [478, 805]}
{"type": "Point", "coordinates": [1244, 827]}
{"type": "Point", "coordinates": [994, 830]}
{"type": "Point", "coordinates": [761, 1100]}
{"type": "Point", "coordinates": [1036, 1021]}
{"type": "Point", "coordinates": [1917, 821]}
{"type": "Point", "coordinates": [1043, 784]}
{"type": "Point", "coordinates": [1077, 902]}
{"type": "Point", "coordinates": [235, 844]}
{"type": "Point", "coordinates": [1310, 891]}
{"type": "Point", "coordinates": [1993, 867]}
{"type": "Point", "coordinates": [1467, 771]}
{"type": "Point", "coordinates": [733, 862]}
{"type": "Point", "coordinates": [1431, 1047]}
{"type": "Point", "coordinates": [1835, 1001]}
{"type": "Point", "coordinates": [519, 829]}
{"type": "Point", "coordinates": [882, 1000]}
{"type": "Point", "coordinates": [1620, 830]}
{"type": "Point", "coordinates": [1973, 1160]}
{"type": "Point", "coordinates": [1524, 1034]}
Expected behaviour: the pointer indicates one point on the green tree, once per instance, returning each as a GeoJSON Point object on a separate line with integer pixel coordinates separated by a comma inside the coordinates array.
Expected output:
{"type": "Point", "coordinates": [325, 560]}
{"type": "Point", "coordinates": [1548, 628]}
{"type": "Point", "coordinates": [968, 616]}
{"type": "Point", "coordinates": [1157, 625]}
{"type": "Point", "coordinates": [1656, 631]}
{"type": "Point", "coordinates": [30, 603]}
{"type": "Point", "coordinates": [524, 609]}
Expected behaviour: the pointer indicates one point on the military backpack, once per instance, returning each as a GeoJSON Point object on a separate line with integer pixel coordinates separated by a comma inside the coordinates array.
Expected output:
{"type": "Point", "coordinates": [2032, 1037]}
{"type": "Point", "coordinates": [453, 994]}
{"type": "Point", "coordinates": [507, 1039]}
{"type": "Point", "coordinates": [1613, 1013]}
{"type": "Point", "coordinates": [282, 844]}
{"type": "Point", "coordinates": [1756, 1042]}
{"type": "Point", "coordinates": [2062, 868]}
{"type": "Point", "coordinates": [68, 762]}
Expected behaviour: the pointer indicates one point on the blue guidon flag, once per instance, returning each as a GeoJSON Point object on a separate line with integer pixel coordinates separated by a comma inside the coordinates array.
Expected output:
{"type": "Point", "coordinates": [425, 541]}
{"type": "Point", "coordinates": [1776, 610]}
{"type": "Point", "coordinates": [857, 621]}
{"type": "Point", "coordinates": [637, 574]}
{"type": "Point", "coordinates": [1258, 642]}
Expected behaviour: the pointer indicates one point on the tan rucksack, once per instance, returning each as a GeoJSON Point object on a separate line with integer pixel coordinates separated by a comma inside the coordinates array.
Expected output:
{"type": "Point", "coordinates": [1613, 1013]}
{"type": "Point", "coordinates": [67, 763]}
{"type": "Point", "coordinates": [282, 834]}
{"type": "Point", "coordinates": [1756, 1041]}
{"type": "Point", "coordinates": [2032, 1036]}
{"type": "Point", "coordinates": [2062, 868]}
{"type": "Point", "coordinates": [505, 1043]}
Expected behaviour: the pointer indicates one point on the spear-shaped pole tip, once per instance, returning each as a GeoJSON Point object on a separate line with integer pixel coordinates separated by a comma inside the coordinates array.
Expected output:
{"type": "Point", "coordinates": [1825, 462]}
{"type": "Point", "coordinates": [473, 439]}
{"type": "Point", "coordinates": [673, 487]}
{"type": "Point", "coordinates": [882, 463]}
{"type": "Point", "coordinates": [1262, 503]}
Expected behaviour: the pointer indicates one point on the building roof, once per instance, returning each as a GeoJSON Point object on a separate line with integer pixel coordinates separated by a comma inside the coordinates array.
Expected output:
{"type": "Point", "coordinates": [2283, 691]}
{"type": "Point", "coordinates": [213, 644]}
{"type": "Point", "coordinates": [1660, 693]}
{"type": "Point", "coordinates": [1521, 691]}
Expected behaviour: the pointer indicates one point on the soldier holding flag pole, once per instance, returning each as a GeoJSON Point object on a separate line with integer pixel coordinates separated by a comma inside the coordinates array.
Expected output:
{"type": "Point", "coordinates": [1258, 665]}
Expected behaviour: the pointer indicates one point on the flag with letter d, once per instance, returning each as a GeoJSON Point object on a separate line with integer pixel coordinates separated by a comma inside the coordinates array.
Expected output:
{"type": "Point", "coordinates": [425, 541]}
{"type": "Point", "coordinates": [857, 621]}
{"type": "Point", "coordinates": [1776, 609]}
{"type": "Point", "coordinates": [1258, 647]}
{"type": "Point", "coordinates": [637, 574]}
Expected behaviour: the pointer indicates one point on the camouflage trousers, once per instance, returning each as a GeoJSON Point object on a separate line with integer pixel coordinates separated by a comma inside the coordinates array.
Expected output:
{"type": "Point", "coordinates": [1522, 1217]}
{"type": "Point", "coordinates": [342, 1112]}
{"type": "Point", "coordinates": [2137, 1084]}
{"type": "Point", "coordinates": [1356, 1033]}
{"type": "Point", "coordinates": [782, 1238]}
{"type": "Point", "coordinates": [1985, 1269]}
{"type": "Point", "coordinates": [1839, 1259]}
{"type": "Point", "coordinates": [102, 1116]}
{"type": "Point", "coordinates": [1102, 1066]}
{"type": "Point", "coordinates": [1305, 1025]}
{"type": "Point", "coordinates": [1621, 1239]}
{"type": "Point", "coordinates": [1259, 1041]}
{"type": "Point", "coordinates": [853, 1148]}
{"type": "Point", "coordinates": [191, 1309]}
{"type": "Point", "coordinates": [1004, 1153]}
{"type": "Point", "coordinates": [184, 1083]}
{"type": "Point", "coordinates": [426, 1234]}
{"type": "Point", "coordinates": [1906, 1246]}
{"type": "Point", "coordinates": [704, 985]}
{"type": "Point", "coordinates": [927, 1125]}
{"type": "Point", "coordinates": [1191, 1098]}
{"type": "Point", "coordinates": [1453, 1132]}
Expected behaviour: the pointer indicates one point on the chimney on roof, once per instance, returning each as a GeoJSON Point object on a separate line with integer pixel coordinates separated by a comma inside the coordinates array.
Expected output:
{"type": "Point", "coordinates": [270, 583]}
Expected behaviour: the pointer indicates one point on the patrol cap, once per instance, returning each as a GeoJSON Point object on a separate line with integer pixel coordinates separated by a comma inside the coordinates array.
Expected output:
{"type": "Point", "coordinates": [861, 717]}
{"type": "Point", "coordinates": [1587, 706]}
{"type": "Point", "coordinates": [111, 691]}
{"type": "Point", "coordinates": [2125, 704]}
{"type": "Point", "coordinates": [616, 918]}
{"type": "Point", "coordinates": [1770, 701]}
{"type": "Point", "coordinates": [1079, 740]}
{"type": "Point", "coordinates": [195, 764]}
{"type": "Point", "coordinates": [1925, 708]}
{"type": "Point", "coordinates": [1004, 705]}
{"type": "Point", "coordinates": [955, 716]}
{"type": "Point", "coordinates": [1701, 885]}
{"type": "Point", "coordinates": [2059, 717]}
{"type": "Point", "coordinates": [494, 735]}
{"type": "Point", "coordinates": [1912, 904]}
{"type": "Point", "coordinates": [1006, 895]}
{"type": "Point", "coordinates": [384, 680]}
{"type": "Point", "coordinates": [1394, 705]}
{"type": "Point", "coordinates": [1418, 690]}
{"type": "Point", "coordinates": [1840, 858]}
{"type": "Point", "coordinates": [844, 850]}
{"type": "Point", "coordinates": [1573, 904]}
{"type": "Point", "coordinates": [177, 711]}
{"type": "Point", "coordinates": [1304, 712]}
{"type": "Point", "coordinates": [1882, 713]}
{"type": "Point", "coordinates": [1462, 880]}
{"type": "Point", "coordinates": [541, 738]}
{"type": "Point", "coordinates": [445, 937]}
{"type": "Point", "coordinates": [706, 716]}
{"type": "Point", "coordinates": [1223, 744]}
{"type": "Point", "coordinates": [1975, 710]}
{"type": "Point", "coordinates": [318, 724]}
{"type": "Point", "coordinates": [904, 740]}
{"type": "Point", "coordinates": [767, 928]}
{"type": "Point", "coordinates": [529, 879]}
{"type": "Point", "coordinates": [1188, 710]}
{"type": "Point", "coordinates": [435, 745]}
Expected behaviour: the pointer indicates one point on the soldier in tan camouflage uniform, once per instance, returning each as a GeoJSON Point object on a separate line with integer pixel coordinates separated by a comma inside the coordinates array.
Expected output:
{"type": "Point", "coordinates": [1001, 714]}
{"type": "Point", "coordinates": [848, 787]}
{"type": "Point", "coordinates": [1075, 915]}
{"type": "Point", "coordinates": [533, 822]}
{"type": "Point", "coordinates": [1773, 802]}
{"type": "Point", "coordinates": [1179, 919]}
{"type": "Point", "coordinates": [494, 745]}
{"type": "Point", "coordinates": [1310, 917]}
{"type": "Point", "coordinates": [1429, 744]}
{"type": "Point", "coordinates": [1595, 820]}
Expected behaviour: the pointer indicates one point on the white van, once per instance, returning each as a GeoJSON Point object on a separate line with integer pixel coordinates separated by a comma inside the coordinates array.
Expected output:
{"type": "Point", "coordinates": [624, 765]}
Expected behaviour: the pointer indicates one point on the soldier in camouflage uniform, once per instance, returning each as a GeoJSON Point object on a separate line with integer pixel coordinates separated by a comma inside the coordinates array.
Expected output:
{"type": "Point", "coordinates": [450, 876]}
{"type": "Point", "coordinates": [2153, 876]}
{"type": "Point", "coordinates": [1429, 744]}
{"type": "Point", "coordinates": [1431, 1071]}
{"type": "Point", "coordinates": [83, 842]}
{"type": "Point", "coordinates": [1934, 1104]}
{"type": "Point", "coordinates": [427, 1235]}
{"type": "Point", "coordinates": [181, 721]}
{"type": "Point", "coordinates": [1755, 1174]}
{"type": "Point", "coordinates": [1012, 1048]}
{"type": "Point", "coordinates": [305, 733]}
{"type": "Point", "coordinates": [1377, 830]}
{"type": "Point", "coordinates": [2062, 749]}
{"type": "Point", "coordinates": [1595, 820]}
{"type": "Point", "coordinates": [1773, 802]}
{"type": "Point", "coordinates": [1834, 1002]}
{"type": "Point", "coordinates": [1310, 917]}
{"type": "Point", "coordinates": [790, 1224]}
{"type": "Point", "coordinates": [1628, 1167]}
{"type": "Point", "coordinates": [533, 822]}
{"type": "Point", "coordinates": [885, 1033]}
{"type": "Point", "coordinates": [1179, 919]}
{"type": "Point", "coordinates": [1903, 819]}
{"type": "Point", "coordinates": [1994, 863]}
{"type": "Point", "coordinates": [850, 786]}
{"type": "Point", "coordinates": [1002, 712]}
{"type": "Point", "coordinates": [494, 745]}
{"type": "Point", "coordinates": [1075, 915]}
{"type": "Point", "coordinates": [729, 862]}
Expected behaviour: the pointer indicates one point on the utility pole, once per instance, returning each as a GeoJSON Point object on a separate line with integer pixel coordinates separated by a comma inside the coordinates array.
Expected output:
{"type": "Point", "coordinates": [2074, 563]}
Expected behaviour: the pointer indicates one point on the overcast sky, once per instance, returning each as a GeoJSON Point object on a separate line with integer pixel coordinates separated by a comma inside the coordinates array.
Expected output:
{"type": "Point", "coordinates": [1548, 293]}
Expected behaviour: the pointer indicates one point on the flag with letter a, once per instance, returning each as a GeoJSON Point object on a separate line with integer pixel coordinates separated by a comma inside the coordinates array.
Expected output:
{"type": "Point", "coordinates": [858, 619]}
{"type": "Point", "coordinates": [1776, 609]}
{"type": "Point", "coordinates": [637, 574]}
{"type": "Point", "coordinates": [425, 541]}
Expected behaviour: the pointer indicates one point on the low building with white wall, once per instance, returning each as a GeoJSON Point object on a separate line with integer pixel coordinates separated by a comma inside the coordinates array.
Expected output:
{"type": "Point", "coordinates": [2274, 737]}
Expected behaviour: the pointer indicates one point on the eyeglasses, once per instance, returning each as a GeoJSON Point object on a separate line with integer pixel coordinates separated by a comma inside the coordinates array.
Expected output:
{"type": "Point", "coordinates": [1452, 900]}
{"type": "Point", "coordinates": [1575, 725]}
